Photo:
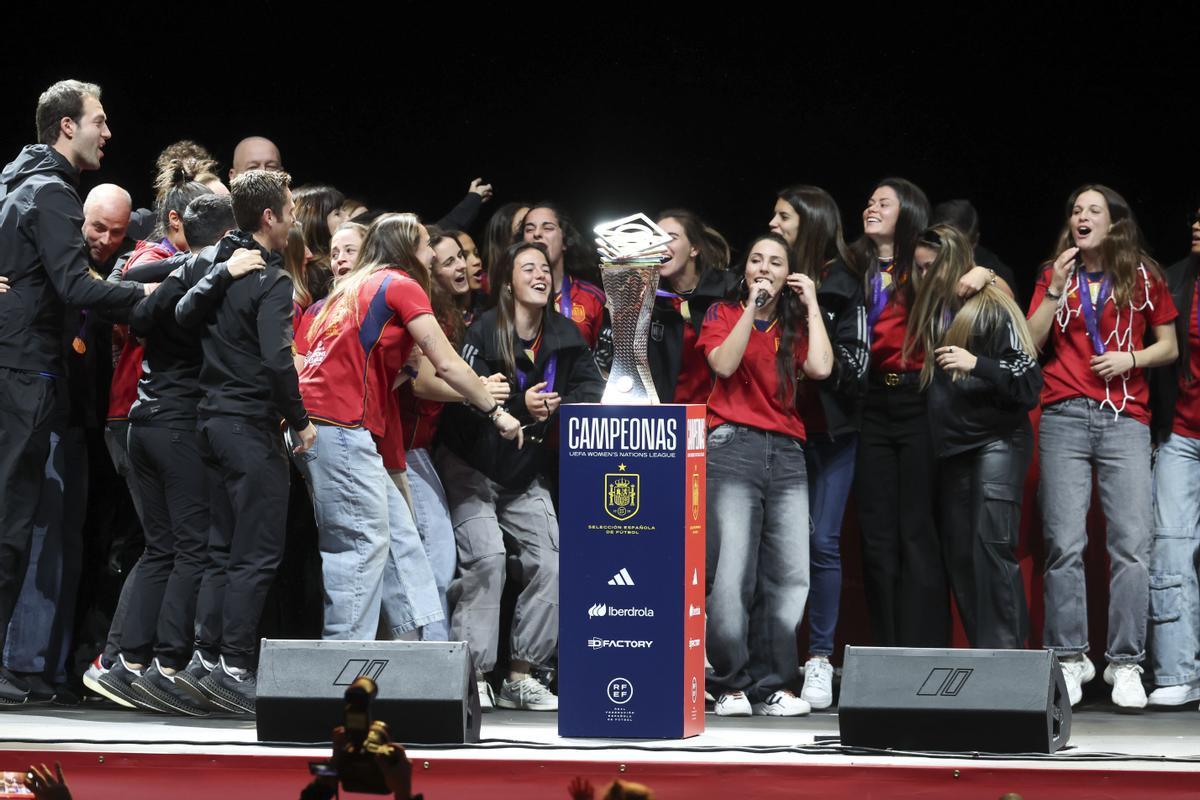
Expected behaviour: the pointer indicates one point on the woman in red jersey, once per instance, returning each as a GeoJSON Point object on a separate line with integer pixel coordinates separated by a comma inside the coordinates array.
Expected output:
{"type": "Point", "coordinates": [1091, 311]}
{"type": "Point", "coordinates": [357, 346]}
{"type": "Point", "coordinates": [760, 346]}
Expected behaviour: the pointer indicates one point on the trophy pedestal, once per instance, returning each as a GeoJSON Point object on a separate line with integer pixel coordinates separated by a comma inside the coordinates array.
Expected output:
{"type": "Point", "coordinates": [631, 563]}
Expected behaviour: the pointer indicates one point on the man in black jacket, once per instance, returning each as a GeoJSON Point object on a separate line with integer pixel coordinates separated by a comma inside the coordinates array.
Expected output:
{"type": "Point", "coordinates": [249, 384]}
{"type": "Point", "coordinates": [42, 254]}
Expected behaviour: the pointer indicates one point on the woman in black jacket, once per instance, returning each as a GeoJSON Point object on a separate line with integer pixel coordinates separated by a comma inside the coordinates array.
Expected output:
{"type": "Point", "coordinates": [693, 279]}
{"type": "Point", "coordinates": [808, 220]}
{"type": "Point", "coordinates": [499, 495]}
{"type": "Point", "coordinates": [980, 391]}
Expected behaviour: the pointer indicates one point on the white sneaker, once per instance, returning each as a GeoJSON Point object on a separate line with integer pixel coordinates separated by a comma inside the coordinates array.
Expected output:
{"type": "Point", "coordinates": [1175, 695]}
{"type": "Point", "coordinates": [1077, 670]}
{"type": "Point", "coordinates": [818, 682]}
{"type": "Point", "coordinates": [782, 704]}
{"type": "Point", "coordinates": [733, 704]}
{"type": "Point", "coordinates": [1128, 691]}
{"type": "Point", "coordinates": [487, 697]}
{"type": "Point", "coordinates": [527, 694]}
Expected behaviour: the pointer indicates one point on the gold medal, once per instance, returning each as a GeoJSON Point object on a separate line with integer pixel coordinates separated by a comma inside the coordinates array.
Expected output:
{"type": "Point", "coordinates": [79, 346]}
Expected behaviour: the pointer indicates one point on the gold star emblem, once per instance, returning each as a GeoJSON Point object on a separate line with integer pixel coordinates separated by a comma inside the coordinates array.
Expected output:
{"type": "Point", "coordinates": [621, 467]}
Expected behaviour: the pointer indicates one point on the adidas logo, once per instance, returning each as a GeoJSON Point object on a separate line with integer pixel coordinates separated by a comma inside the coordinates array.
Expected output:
{"type": "Point", "coordinates": [622, 578]}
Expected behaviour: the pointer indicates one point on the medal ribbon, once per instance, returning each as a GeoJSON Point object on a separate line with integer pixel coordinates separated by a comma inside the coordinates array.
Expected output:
{"type": "Point", "coordinates": [1091, 317]}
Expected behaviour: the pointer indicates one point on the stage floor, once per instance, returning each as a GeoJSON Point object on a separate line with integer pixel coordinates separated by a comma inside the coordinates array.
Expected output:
{"type": "Point", "coordinates": [1152, 754]}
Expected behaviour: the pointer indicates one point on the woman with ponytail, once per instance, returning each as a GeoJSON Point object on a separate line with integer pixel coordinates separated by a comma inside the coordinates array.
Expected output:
{"type": "Point", "coordinates": [981, 383]}
{"type": "Point", "coordinates": [808, 220]}
{"type": "Point", "coordinates": [358, 344]}
{"type": "Point", "coordinates": [693, 279]}
{"type": "Point", "coordinates": [1094, 306]}
{"type": "Point", "coordinates": [761, 345]}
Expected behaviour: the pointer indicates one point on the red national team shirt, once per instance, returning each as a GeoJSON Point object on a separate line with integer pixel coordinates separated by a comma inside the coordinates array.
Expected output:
{"type": "Point", "coordinates": [747, 397]}
{"type": "Point", "coordinates": [128, 370]}
{"type": "Point", "coordinates": [304, 326]}
{"type": "Point", "coordinates": [695, 377]}
{"type": "Point", "coordinates": [391, 445]}
{"type": "Point", "coordinates": [1187, 406]}
{"type": "Point", "coordinates": [352, 360]}
{"type": "Point", "coordinates": [418, 418]}
{"type": "Point", "coordinates": [585, 307]}
{"type": "Point", "coordinates": [887, 336]}
{"type": "Point", "coordinates": [1069, 374]}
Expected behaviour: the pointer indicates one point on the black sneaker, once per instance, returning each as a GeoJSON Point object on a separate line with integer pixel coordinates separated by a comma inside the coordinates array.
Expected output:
{"type": "Point", "coordinates": [230, 693]}
{"type": "Point", "coordinates": [40, 690]}
{"type": "Point", "coordinates": [117, 685]}
{"type": "Point", "coordinates": [188, 679]}
{"type": "Point", "coordinates": [161, 691]}
{"type": "Point", "coordinates": [13, 691]}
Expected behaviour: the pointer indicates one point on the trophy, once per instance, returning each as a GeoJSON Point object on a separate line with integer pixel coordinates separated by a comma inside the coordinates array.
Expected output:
{"type": "Point", "coordinates": [631, 250]}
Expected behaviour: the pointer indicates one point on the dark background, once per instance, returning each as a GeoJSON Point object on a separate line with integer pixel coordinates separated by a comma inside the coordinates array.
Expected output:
{"type": "Point", "coordinates": [404, 105]}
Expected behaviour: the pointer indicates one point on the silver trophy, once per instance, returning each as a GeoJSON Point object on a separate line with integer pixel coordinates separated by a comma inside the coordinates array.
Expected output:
{"type": "Point", "coordinates": [631, 250]}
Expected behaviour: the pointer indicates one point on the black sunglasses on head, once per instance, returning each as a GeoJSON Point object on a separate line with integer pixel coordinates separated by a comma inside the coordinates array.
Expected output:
{"type": "Point", "coordinates": [930, 238]}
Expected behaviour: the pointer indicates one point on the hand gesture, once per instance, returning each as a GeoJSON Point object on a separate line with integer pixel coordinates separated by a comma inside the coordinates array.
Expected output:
{"type": "Point", "coordinates": [3, 284]}
{"type": "Point", "coordinates": [579, 789]}
{"type": "Point", "coordinates": [955, 358]}
{"type": "Point", "coordinates": [484, 190]}
{"type": "Point", "coordinates": [497, 386]}
{"type": "Point", "coordinates": [804, 288]}
{"type": "Point", "coordinates": [244, 261]}
{"type": "Point", "coordinates": [973, 282]}
{"type": "Point", "coordinates": [541, 404]}
{"type": "Point", "coordinates": [1060, 273]}
{"type": "Point", "coordinates": [1112, 364]}
{"type": "Point", "coordinates": [509, 427]}
{"type": "Point", "coordinates": [47, 785]}
{"type": "Point", "coordinates": [308, 437]}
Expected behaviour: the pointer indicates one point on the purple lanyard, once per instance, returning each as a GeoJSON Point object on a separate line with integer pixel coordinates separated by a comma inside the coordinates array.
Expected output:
{"type": "Point", "coordinates": [1091, 318]}
{"type": "Point", "coordinates": [564, 298]}
{"type": "Point", "coordinates": [548, 376]}
{"type": "Point", "coordinates": [879, 298]}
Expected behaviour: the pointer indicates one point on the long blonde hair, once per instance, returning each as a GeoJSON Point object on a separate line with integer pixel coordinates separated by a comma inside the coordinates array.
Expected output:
{"type": "Point", "coordinates": [937, 301]}
{"type": "Point", "coordinates": [391, 243]}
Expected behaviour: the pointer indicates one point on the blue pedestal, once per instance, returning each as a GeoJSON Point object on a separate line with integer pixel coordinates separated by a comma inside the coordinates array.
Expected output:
{"type": "Point", "coordinates": [631, 596]}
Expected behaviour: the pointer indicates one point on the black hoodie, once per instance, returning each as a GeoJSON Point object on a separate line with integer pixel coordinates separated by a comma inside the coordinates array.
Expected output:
{"type": "Point", "coordinates": [44, 257]}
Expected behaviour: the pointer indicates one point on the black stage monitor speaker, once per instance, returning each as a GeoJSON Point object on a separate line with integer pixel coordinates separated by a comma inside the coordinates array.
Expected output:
{"type": "Point", "coordinates": [427, 692]}
{"type": "Point", "coordinates": [992, 701]}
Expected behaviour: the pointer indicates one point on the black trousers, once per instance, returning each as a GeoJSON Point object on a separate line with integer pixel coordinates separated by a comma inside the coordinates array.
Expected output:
{"type": "Point", "coordinates": [980, 501]}
{"type": "Point", "coordinates": [27, 413]}
{"type": "Point", "coordinates": [895, 475]}
{"type": "Point", "coordinates": [171, 482]}
{"type": "Point", "coordinates": [248, 485]}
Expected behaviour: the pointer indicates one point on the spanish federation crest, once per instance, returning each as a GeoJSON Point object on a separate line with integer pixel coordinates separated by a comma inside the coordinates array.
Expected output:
{"type": "Point", "coordinates": [622, 495]}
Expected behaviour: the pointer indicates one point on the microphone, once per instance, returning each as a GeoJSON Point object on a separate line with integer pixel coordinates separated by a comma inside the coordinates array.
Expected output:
{"type": "Point", "coordinates": [763, 297]}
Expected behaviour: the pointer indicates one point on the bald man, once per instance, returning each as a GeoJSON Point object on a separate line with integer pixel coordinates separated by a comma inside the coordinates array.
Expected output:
{"type": "Point", "coordinates": [106, 211]}
{"type": "Point", "coordinates": [254, 152]}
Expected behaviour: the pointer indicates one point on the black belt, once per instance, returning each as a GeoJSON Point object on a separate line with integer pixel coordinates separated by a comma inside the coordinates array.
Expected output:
{"type": "Point", "coordinates": [892, 380]}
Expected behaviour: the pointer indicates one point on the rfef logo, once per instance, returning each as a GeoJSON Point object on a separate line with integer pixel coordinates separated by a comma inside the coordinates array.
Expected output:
{"type": "Point", "coordinates": [620, 691]}
{"type": "Point", "coordinates": [944, 682]}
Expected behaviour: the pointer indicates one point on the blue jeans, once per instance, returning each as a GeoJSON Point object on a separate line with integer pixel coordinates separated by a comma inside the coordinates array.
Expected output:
{"type": "Point", "coordinates": [1078, 438]}
{"type": "Point", "coordinates": [830, 464]}
{"type": "Point", "coordinates": [39, 634]}
{"type": "Point", "coordinates": [1174, 593]}
{"type": "Point", "coordinates": [364, 527]}
{"type": "Point", "coordinates": [757, 559]}
{"type": "Point", "coordinates": [432, 513]}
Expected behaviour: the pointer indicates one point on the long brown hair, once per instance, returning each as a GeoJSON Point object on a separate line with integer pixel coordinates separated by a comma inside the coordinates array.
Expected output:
{"type": "Point", "coordinates": [1122, 250]}
{"type": "Point", "coordinates": [789, 314]}
{"type": "Point", "coordinates": [500, 280]}
{"type": "Point", "coordinates": [940, 318]}
{"type": "Point", "coordinates": [712, 251]}
{"type": "Point", "coordinates": [819, 238]}
{"type": "Point", "coordinates": [391, 243]}
{"type": "Point", "coordinates": [448, 308]}
{"type": "Point", "coordinates": [912, 219]}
